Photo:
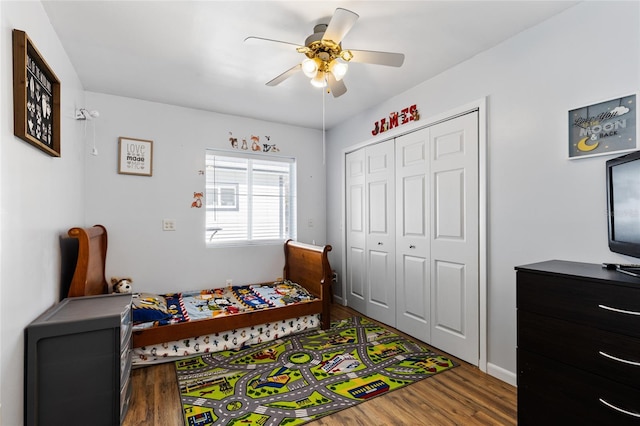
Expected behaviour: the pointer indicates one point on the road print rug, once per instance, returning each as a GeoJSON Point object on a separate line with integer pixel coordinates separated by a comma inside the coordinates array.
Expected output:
{"type": "Point", "coordinates": [294, 380]}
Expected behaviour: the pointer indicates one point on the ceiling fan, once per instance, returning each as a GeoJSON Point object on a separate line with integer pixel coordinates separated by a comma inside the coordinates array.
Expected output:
{"type": "Point", "coordinates": [326, 61]}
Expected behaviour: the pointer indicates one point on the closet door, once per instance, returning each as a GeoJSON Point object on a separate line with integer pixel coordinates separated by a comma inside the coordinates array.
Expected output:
{"type": "Point", "coordinates": [356, 271]}
{"type": "Point", "coordinates": [380, 232]}
{"type": "Point", "coordinates": [454, 237]}
{"type": "Point", "coordinates": [412, 240]}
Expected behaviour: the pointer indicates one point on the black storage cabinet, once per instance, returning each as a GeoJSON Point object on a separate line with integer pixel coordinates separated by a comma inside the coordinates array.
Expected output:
{"type": "Point", "coordinates": [578, 345]}
{"type": "Point", "coordinates": [78, 362]}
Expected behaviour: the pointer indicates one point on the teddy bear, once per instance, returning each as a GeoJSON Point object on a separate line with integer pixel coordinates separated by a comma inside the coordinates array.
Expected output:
{"type": "Point", "coordinates": [122, 285]}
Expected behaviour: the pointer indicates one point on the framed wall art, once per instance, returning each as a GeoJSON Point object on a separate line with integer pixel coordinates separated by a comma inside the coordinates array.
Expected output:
{"type": "Point", "coordinates": [604, 128]}
{"type": "Point", "coordinates": [135, 156]}
{"type": "Point", "coordinates": [36, 97]}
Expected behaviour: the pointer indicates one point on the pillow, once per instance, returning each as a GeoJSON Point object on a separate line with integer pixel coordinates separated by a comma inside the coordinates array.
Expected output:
{"type": "Point", "coordinates": [149, 307]}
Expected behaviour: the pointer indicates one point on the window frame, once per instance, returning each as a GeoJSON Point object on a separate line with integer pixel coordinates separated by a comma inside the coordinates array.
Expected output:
{"type": "Point", "coordinates": [289, 199]}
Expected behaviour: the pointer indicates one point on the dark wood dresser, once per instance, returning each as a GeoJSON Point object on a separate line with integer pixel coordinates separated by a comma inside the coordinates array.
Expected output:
{"type": "Point", "coordinates": [578, 345]}
{"type": "Point", "coordinates": [78, 362]}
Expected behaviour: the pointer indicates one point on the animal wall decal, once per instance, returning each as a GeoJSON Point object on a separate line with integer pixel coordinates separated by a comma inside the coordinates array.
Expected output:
{"type": "Point", "coordinates": [256, 146]}
{"type": "Point", "coordinates": [197, 200]}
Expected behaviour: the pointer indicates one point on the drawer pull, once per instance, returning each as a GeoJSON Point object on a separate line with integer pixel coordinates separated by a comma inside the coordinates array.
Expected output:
{"type": "Point", "coordinates": [610, 405]}
{"type": "Point", "coordinates": [626, 361]}
{"type": "Point", "coordinates": [622, 311]}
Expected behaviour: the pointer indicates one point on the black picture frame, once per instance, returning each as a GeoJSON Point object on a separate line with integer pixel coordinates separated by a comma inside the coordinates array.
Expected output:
{"type": "Point", "coordinates": [36, 97]}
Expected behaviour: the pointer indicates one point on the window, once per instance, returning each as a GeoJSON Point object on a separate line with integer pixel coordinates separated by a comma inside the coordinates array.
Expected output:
{"type": "Point", "coordinates": [249, 199]}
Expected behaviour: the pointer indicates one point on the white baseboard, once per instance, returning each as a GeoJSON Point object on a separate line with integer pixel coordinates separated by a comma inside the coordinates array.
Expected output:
{"type": "Point", "coordinates": [502, 374]}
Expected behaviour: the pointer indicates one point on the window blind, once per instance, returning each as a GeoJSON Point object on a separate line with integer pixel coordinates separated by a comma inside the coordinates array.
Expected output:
{"type": "Point", "coordinates": [249, 199]}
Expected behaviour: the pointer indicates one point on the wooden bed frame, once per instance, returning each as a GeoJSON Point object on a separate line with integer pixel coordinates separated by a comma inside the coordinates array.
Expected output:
{"type": "Point", "coordinates": [305, 264]}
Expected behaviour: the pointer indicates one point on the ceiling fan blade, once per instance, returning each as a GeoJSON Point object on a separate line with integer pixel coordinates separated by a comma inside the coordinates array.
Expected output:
{"type": "Point", "coordinates": [340, 24]}
{"type": "Point", "coordinates": [381, 58]}
{"type": "Point", "coordinates": [336, 87]}
{"type": "Point", "coordinates": [256, 40]}
{"type": "Point", "coordinates": [285, 75]}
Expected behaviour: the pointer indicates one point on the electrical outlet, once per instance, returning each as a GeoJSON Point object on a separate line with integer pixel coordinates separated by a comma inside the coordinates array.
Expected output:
{"type": "Point", "coordinates": [168, 225]}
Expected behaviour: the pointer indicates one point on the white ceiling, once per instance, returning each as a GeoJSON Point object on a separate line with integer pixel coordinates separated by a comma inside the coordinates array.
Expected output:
{"type": "Point", "coordinates": [192, 53]}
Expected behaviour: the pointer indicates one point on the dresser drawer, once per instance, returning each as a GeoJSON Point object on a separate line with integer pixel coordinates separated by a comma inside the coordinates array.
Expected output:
{"type": "Point", "coordinates": [125, 325]}
{"type": "Point", "coordinates": [605, 306]}
{"type": "Point", "coordinates": [553, 393]}
{"type": "Point", "coordinates": [125, 366]}
{"type": "Point", "coordinates": [607, 354]}
{"type": "Point", "coordinates": [125, 398]}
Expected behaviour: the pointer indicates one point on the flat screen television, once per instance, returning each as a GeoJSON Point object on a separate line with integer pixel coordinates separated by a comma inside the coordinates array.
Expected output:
{"type": "Point", "coordinates": [623, 204]}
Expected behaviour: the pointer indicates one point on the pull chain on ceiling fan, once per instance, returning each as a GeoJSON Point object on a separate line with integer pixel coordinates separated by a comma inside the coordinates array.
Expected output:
{"type": "Point", "coordinates": [326, 62]}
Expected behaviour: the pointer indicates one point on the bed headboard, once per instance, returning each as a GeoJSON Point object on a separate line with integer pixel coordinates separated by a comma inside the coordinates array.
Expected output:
{"type": "Point", "coordinates": [305, 264]}
{"type": "Point", "coordinates": [308, 265]}
{"type": "Point", "coordinates": [88, 278]}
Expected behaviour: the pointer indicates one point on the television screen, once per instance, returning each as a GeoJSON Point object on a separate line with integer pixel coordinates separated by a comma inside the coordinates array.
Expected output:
{"type": "Point", "coordinates": [623, 188]}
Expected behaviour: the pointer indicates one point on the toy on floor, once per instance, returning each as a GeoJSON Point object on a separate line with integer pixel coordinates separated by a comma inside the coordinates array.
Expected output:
{"type": "Point", "coordinates": [122, 285]}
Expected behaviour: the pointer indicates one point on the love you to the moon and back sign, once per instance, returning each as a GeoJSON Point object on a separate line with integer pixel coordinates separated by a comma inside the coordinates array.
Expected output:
{"type": "Point", "coordinates": [603, 128]}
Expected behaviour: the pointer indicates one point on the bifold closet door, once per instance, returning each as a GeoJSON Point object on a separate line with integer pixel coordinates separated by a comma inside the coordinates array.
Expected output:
{"type": "Point", "coordinates": [412, 255]}
{"type": "Point", "coordinates": [380, 232]}
{"type": "Point", "coordinates": [356, 271]}
{"type": "Point", "coordinates": [454, 207]}
{"type": "Point", "coordinates": [412, 239]}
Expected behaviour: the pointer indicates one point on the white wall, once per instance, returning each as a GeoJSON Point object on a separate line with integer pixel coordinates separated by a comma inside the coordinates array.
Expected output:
{"type": "Point", "coordinates": [540, 204]}
{"type": "Point", "coordinates": [41, 197]}
{"type": "Point", "coordinates": [133, 207]}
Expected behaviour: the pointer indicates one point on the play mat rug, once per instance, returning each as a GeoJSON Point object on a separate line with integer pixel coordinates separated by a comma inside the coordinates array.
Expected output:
{"type": "Point", "coordinates": [294, 380]}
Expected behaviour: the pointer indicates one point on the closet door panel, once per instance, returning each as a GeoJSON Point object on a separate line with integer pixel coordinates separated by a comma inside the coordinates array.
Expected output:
{"type": "Point", "coordinates": [413, 206]}
{"type": "Point", "coordinates": [377, 209]}
{"type": "Point", "coordinates": [449, 214]}
{"type": "Point", "coordinates": [448, 286]}
{"type": "Point", "coordinates": [414, 291]}
{"type": "Point", "coordinates": [381, 288]}
{"type": "Point", "coordinates": [356, 265]}
{"type": "Point", "coordinates": [454, 239]}
{"type": "Point", "coordinates": [356, 273]}
{"type": "Point", "coordinates": [380, 232]}
{"type": "Point", "coordinates": [412, 243]}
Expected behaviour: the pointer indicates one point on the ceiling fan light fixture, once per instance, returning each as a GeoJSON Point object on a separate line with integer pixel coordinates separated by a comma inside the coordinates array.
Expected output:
{"type": "Point", "coordinates": [310, 67]}
{"type": "Point", "coordinates": [326, 63]}
{"type": "Point", "coordinates": [338, 68]}
{"type": "Point", "coordinates": [319, 80]}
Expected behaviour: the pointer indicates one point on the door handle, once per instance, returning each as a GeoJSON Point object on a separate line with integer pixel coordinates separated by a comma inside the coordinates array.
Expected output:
{"type": "Point", "coordinates": [412, 246]}
{"type": "Point", "coordinates": [379, 243]}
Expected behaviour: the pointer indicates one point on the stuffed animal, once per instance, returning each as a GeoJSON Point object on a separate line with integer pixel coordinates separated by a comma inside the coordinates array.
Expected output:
{"type": "Point", "coordinates": [122, 285]}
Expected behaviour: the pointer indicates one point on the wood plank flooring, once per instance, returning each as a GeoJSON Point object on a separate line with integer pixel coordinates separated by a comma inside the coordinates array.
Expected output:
{"type": "Point", "coordinates": [461, 396]}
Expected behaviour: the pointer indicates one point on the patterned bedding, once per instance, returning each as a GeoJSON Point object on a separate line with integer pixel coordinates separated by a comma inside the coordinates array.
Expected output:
{"type": "Point", "coordinates": [151, 310]}
{"type": "Point", "coordinates": [227, 340]}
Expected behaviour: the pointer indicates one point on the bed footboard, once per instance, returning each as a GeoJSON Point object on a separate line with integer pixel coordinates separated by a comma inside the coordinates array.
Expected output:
{"type": "Point", "coordinates": [308, 265]}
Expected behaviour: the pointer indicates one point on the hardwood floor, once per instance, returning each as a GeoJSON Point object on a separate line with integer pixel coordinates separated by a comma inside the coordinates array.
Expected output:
{"type": "Point", "coordinates": [461, 396]}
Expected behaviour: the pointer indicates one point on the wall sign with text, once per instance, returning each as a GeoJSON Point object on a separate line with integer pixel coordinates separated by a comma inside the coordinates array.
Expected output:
{"type": "Point", "coordinates": [395, 119]}
{"type": "Point", "coordinates": [603, 128]}
{"type": "Point", "coordinates": [135, 157]}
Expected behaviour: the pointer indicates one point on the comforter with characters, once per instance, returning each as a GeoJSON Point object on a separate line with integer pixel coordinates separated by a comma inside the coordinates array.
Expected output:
{"type": "Point", "coordinates": [150, 310]}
